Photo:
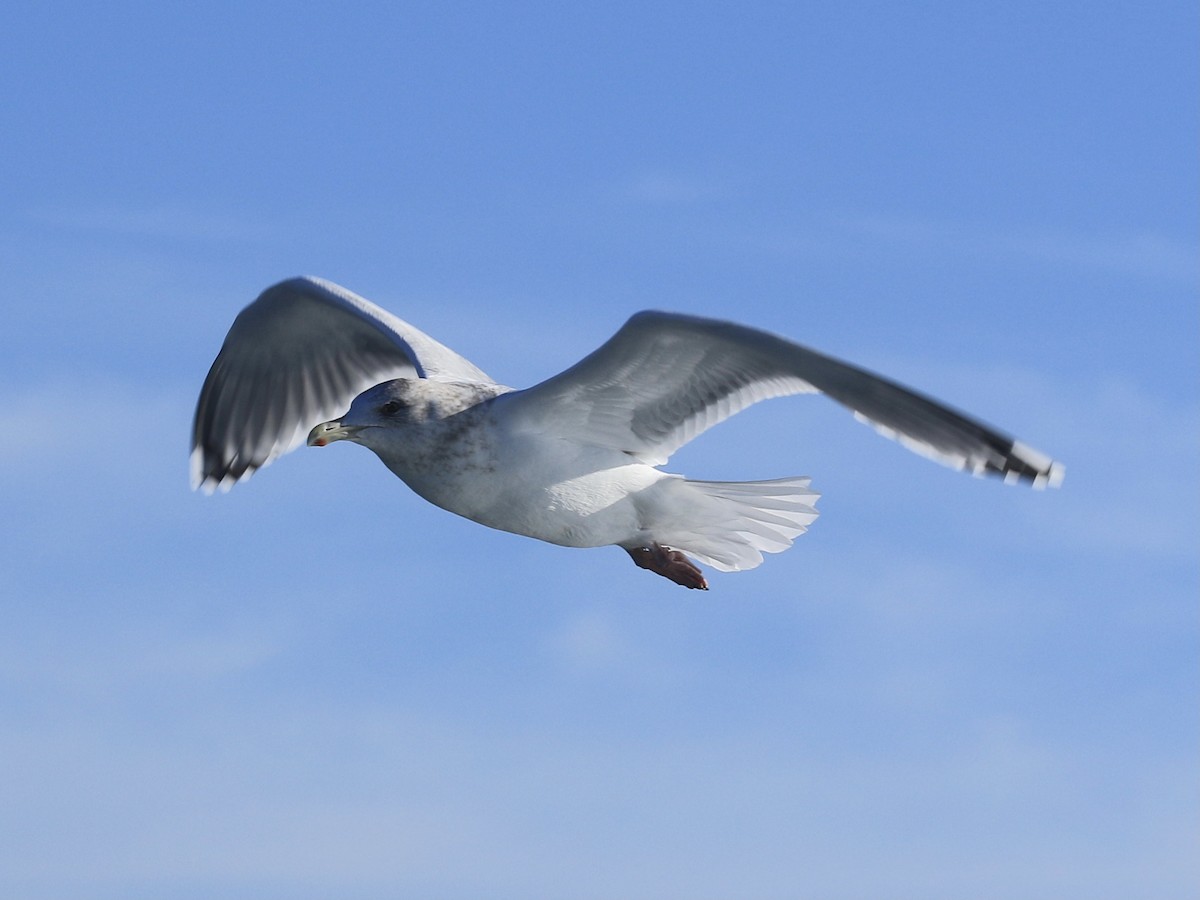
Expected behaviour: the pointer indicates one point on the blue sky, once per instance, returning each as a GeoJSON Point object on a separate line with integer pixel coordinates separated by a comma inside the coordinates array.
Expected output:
{"type": "Point", "coordinates": [318, 685]}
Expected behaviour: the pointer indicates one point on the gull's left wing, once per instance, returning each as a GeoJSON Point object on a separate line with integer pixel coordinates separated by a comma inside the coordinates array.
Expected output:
{"type": "Point", "coordinates": [294, 357]}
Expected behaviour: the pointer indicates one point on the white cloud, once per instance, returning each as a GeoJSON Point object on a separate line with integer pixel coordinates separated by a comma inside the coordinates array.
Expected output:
{"type": "Point", "coordinates": [664, 188]}
{"type": "Point", "coordinates": [173, 223]}
{"type": "Point", "coordinates": [1146, 254]}
{"type": "Point", "coordinates": [303, 797]}
{"type": "Point", "coordinates": [1133, 488]}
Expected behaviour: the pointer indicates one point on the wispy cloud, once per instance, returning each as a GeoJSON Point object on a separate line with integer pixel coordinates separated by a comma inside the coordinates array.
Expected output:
{"type": "Point", "coordinates": [1142, 253]}
{"type": "Point", "coordinates": [379, 800]}
{"type": "Point", "coordinates": [161, 222]}
{"type": "Point", "coordinates": [667, 188]}
{"type": "Point", "coordinates": [136, 657]}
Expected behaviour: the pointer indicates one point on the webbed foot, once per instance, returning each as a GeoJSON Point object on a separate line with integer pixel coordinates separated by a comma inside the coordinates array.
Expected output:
{"type": "Point", "coordinates": [670, 564]}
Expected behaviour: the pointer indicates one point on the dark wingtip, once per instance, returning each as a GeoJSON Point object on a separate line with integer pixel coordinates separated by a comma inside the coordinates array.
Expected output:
{"type": "Point", "coordinates": [1024, 464]}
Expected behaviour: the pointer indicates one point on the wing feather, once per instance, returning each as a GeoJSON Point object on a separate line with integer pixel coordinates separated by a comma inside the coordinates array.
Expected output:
{"type": "Point", "coordinates": [296, 356]}
{"type": "Point", "coordinates": [664, 378]}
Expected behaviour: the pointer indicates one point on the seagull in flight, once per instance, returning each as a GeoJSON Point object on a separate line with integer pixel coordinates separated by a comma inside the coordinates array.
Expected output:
{"type": "Point", "coordinates": [575, 459]}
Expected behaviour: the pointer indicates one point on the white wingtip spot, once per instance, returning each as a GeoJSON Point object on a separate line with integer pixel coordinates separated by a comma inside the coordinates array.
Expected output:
{"type": "Point", "coordinates": [194, 466]}
{"type": "Point", "coordinates": [1050, 473]}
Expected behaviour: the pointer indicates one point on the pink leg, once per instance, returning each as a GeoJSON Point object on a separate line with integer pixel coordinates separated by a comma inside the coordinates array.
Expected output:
{"type": "Point", "coordinates": [670, 564]}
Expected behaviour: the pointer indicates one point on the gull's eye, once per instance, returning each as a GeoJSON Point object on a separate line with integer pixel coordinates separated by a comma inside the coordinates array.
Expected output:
{"type": "Point", "coordinates": [391, 407]}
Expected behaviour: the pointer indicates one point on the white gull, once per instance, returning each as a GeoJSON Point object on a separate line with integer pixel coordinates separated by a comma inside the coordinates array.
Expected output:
{"type": "Point", "coordinates": [573, 460]}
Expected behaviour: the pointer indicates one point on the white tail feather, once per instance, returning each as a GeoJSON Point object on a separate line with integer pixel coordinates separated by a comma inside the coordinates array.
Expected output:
{"type": "Point", "coordinates": [729, 525]}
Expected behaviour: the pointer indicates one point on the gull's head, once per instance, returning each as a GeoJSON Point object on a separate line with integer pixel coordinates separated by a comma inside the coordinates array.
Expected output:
{"type": "Point", "coordinates": [393, 411]}
{"type": "Point", "coordinates": [382, 406]}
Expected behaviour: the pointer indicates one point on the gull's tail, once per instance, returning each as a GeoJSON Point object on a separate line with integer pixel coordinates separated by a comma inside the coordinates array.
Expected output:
{"type": "Point", "coordinates": [729, 525]}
